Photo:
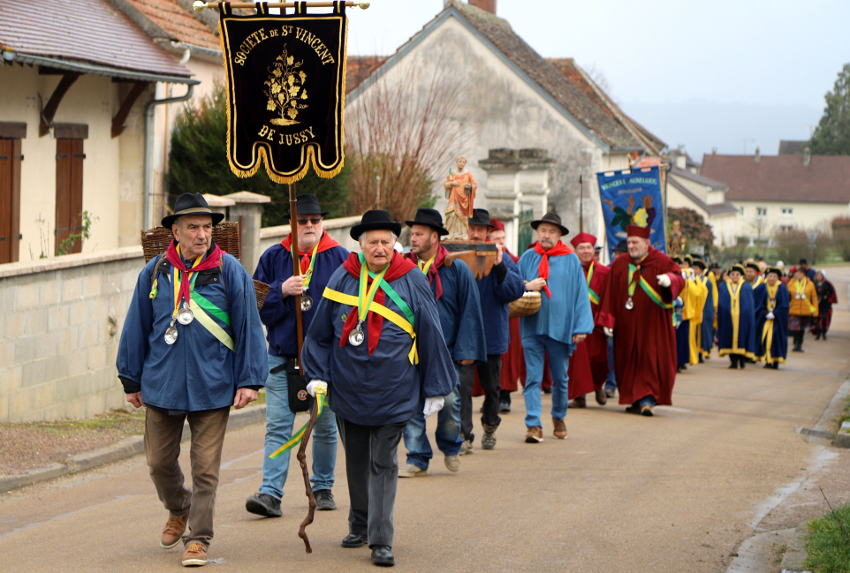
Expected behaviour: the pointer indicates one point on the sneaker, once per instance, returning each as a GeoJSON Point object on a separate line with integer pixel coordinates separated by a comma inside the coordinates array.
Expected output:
{"type": "Point", "coordinates": [560, 428]}
{"type": "Point", "coordinates": [174, 528]}
{"type": "Point", "coordinates": [504, 407]}
{"type": "Point", "coordinates": [488, 440]}
{"type": "Point", "coordinates": [264, 504]}
{"type": "Point", "coordinates": [534, 435]}
{"type": "Point", "coordinates": [452, 463]}
{"type": "Point", "coordinates": [466, 448]}
{"type": "Point", "coordinates": [324, 500]}
{"type": "Point", "coordinates": [195, 555]}
{"type": "Point", "coordinates": [411, 470]}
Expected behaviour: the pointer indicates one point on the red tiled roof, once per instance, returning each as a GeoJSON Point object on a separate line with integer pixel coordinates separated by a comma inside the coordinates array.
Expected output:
{"type": "Point", "coordinates": [358, 68]}
{"type": "Point", "coordinates": [781, 177]}
{"type": "Point", "coordinates": [179, 23]}
{"type": "Point", "coordinates": [84, 31]}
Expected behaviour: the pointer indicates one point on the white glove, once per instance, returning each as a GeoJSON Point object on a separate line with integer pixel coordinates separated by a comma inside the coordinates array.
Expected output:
{"type": "Point", "coordinates": [317, 387]}
{"type": "Point", "coordinates": [433, 405]}
{"type": "Point", "coordinates": [609, 332]}
{"type": "Point", "coordinates": [663, 280]}
{"type": "Point", "coordinates": [770, 316]}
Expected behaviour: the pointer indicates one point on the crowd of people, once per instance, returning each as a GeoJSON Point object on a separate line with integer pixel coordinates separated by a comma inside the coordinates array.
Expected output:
{"type": "Point", "coordinates": [393, 338]}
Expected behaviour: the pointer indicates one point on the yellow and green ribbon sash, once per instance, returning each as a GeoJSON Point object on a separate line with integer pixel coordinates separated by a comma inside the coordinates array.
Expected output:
{"type": "Point", "coordinates": [308, 274]}
{"type": "Point", "coordinates": [363, 294]}
{"type": "Point", "coordinates": [594, 297]}
{"type": "Point", "coordinates": [299, 435]}
{"type": "Point", "coordinates": [647, 288]}
{"type": "Point", "coordinates": [201, 307]}
{"type": "Point", "coordinates": [424, 266]}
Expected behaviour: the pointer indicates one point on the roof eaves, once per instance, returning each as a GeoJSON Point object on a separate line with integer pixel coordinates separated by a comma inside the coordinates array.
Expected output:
{"type": "Point", "coordinates": [702, 179]}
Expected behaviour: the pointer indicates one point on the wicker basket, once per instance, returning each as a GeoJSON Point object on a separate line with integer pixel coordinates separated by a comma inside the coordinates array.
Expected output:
{"type": "Point", "coordinates": [526, 305]}
{"type": "Point", "coordinates": [262, 291]}
{"type": "Point", "coordinates": [226, 235]}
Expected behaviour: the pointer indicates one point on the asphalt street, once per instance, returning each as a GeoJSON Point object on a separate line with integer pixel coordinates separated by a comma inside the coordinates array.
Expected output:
{"type": "Point", "coordinates": [683, 491]}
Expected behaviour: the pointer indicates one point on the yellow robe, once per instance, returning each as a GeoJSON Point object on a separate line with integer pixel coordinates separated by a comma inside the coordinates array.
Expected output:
{"type": "Point", "coordinates": [694, 301]}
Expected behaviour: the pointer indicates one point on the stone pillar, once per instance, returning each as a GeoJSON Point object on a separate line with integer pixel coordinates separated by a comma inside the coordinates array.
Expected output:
{"type": "Point", "coordinates": [248, 211]}
{"type": "Point", "coordinates": [218, 203]}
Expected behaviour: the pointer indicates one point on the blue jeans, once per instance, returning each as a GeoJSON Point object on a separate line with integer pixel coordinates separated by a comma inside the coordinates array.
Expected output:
{"type": "Point", "coordinates": [448, 434]}
{"type": "Point", "coordinates": [279, 422]}
{"type": "Point", "coordinates": [611, 381]}
{"type": "Point", "coordinates": [535, 348]}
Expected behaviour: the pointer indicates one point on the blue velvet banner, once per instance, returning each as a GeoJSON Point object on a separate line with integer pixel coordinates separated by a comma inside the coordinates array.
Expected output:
{"type": "Point", "coordinates": [632, 197]}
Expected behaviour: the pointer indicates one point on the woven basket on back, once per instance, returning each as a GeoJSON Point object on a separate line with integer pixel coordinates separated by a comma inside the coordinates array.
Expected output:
{"type": "Point", "coordinates": [526, 305]}
{"type": "Point", "coordinates": [226, 235]}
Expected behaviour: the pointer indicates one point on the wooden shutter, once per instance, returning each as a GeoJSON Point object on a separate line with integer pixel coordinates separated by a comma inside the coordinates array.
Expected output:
{"type": "Point", "coordinates": [10, 199]}
{"type": "Point", "coordinates": [69, 192]}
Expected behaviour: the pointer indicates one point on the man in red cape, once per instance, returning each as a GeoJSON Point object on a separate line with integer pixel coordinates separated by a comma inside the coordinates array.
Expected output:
{"type": "Point", "coordinates": [590, 360]}
{"type": "Point", "coordinates": [637, 311]}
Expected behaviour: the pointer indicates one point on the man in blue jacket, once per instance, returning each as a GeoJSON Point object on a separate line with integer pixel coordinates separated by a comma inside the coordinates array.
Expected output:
{"type": "Point", "coordinates": [496, 290]}
{"type": "Point", "coordinates": [376, 347]}
{"type": "Point", "coordinates": [319, 256]}
{"type": "Point", "coordinates": [460, 317]}
{"type": "Point", "coordinates": [191, 347]}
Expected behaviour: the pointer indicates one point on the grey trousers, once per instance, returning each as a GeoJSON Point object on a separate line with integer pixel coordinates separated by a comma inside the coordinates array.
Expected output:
{"type": "Point", "coordinates": [371, 467]}
{"type": "Point", "coordinates": [162, 449]}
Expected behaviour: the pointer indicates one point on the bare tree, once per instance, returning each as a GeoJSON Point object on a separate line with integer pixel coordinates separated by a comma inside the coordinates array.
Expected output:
{"type": "Point", "coordinates": [400, 135]}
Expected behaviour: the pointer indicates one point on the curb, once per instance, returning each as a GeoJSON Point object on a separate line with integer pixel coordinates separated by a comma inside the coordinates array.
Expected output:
{"type": "Point", "coordinates": [124, 449]}
{"type": "Point", "coordinates": [822, 432]}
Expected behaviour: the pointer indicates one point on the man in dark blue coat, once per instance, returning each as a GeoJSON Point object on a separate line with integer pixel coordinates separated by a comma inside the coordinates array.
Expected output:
{"type": "Point", "coordinates": [191, 347]}
{"type": "Point", "coordinates": [376, 347]}
{"type": "Point", "coordinates": [501, 285]}
{"type": "Point", "coordinates": [772, 319]}
{"type": "Point", "coordinates": [319, 256]}
{"type": "Point", "coordinates": [460, 317]}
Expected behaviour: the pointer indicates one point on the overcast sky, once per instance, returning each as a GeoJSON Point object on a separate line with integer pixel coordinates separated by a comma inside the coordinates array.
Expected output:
{"type": "Point", "coordinates": [730, 74]}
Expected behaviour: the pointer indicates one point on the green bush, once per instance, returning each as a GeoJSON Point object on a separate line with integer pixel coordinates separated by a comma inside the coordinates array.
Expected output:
{"type": "Point", "coordinates": [828, 542]}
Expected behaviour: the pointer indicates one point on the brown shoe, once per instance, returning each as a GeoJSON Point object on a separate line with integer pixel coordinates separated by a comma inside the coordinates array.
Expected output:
{"type": "Point", "coordinates": [534, 435]}
{"type": "Point", "coordinates": [174, 528]}
{"type": "Point", "coordinates": [195, 555]}
{"type": "Point", "coordinates": [601, 396]}
{"type": "Point", "coordinates": [579, 402]}
{"type": "Point", "coordinates": [560, 430]}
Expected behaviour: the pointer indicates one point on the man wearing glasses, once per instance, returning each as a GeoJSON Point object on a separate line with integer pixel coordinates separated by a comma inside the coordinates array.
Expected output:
{"type": "Point", "coordinates": [319, 256]}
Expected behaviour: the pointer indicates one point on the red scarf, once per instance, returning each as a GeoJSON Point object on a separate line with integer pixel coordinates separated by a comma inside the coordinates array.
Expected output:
{"type": "Point", "coordinates": [543, 268]}
{"type": "Point", "coordinates": [325, 243]}
{"type": "Point", "coordinates": [212, 260]}
{"type": "Point", "coordinates": [399, 266]}
{"type": "Point", "coordinates": [433, 275]}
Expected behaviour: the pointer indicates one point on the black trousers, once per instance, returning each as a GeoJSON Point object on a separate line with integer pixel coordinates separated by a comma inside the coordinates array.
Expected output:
{"type": "Point", "coordinates": [467, 377]}
{"type": "Point", "coordinates": [488, 377]}
{"type": "Point", "coordinates": [371, 467]}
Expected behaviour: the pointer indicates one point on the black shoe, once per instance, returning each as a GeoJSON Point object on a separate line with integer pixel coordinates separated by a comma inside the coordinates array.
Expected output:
{"type": "Point", "coordinates": [382, 556]}
{"type": "Point", "coordinates": [504, 407]}
{"type": "Point", "coordinates": [547, 390]}
{"type": "Point", "coordinates": [324, 500]}
{"type": "Point", "coordinates": [768, 365]}
{"type": "Point", "coordinates": [609, 392]}
{"type": "Point", "coordinates": [633, 409]}
{"type": "Point", "coordinates": [264, 504]}
{"type": "Point", "coordinates": [354, 540]}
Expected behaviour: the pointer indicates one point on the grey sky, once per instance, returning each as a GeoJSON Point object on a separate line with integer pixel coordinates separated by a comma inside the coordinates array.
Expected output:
{"type": "Point", "coordinates": [730, 74]}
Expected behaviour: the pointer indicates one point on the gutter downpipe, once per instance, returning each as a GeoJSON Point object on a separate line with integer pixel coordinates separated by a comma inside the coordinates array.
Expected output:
{"type": "Point", "coordinates": [149, 129]}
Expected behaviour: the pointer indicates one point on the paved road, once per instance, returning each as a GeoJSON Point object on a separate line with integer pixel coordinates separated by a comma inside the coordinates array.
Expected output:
{"type": "Point", "coordinates": [678, 492]}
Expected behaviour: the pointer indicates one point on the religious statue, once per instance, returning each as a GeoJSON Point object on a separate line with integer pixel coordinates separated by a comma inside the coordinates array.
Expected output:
{"type": "Point", "coordinates": [460, 188]}
{"type": "Point", "coordinates": [677, 241]}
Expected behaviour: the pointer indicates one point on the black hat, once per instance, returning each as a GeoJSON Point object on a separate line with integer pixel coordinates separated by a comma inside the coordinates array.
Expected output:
{"type": "Point", "coordinates": [480, 217]}
{"type": "Point", "coordinates": [776, 270]}
{"type": "Point", "coordinates": [191, 204]}
{"type": "Point", "coordinates": [699, 263]}
{"type": "Point", "coordinates": [429, 218]}
{"type": "Point", "coordinates": [753, 266]}
{"type": "Point", "coordinates": [737, 267]}
{"type": "Point", "coordinates": [688, 259]}
{"type": "Point", "coordinates": [553, 219]}
{"type": "Point", "coordinates": [676, 259]}
{"type": "Point", "coordinates": [803, 262]}
{"type": "Point", "coordinates": [373, 220]}
{"type": "Point", "coordinates": [307, 204]}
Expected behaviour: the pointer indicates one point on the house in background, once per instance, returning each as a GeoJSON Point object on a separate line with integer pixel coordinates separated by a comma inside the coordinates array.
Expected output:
{"type": "Point", "coordinates": [775, 193]}
{"type": "Point", "coordinates": [76, 82]}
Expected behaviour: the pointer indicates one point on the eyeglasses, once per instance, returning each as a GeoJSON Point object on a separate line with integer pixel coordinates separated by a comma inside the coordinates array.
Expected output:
{"type": "Point", "coordinates": [314, 220]}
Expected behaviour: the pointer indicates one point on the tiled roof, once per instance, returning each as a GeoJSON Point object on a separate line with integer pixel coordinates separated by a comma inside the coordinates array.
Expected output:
{"type": "Point", "coordinates": [358, 68]}
{"type": "Point", "coordinates": [85, 31]}
{"type": "Point", "coordinates": [176, 21]}
{"type": "Point", "coordinates": [781, 177]}
{"type": "Point", "coordinates": [711, 209]}
{"type": "Point", "coordinates": [710, 183]}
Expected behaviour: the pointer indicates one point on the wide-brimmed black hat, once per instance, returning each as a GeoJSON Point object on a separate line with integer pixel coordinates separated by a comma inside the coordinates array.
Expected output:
{"type": "Point", "coordinates": [553, 219]}
{"type": "Point", "coordinates": [776, 270]}
{"type": "Point", "coordinates": [374, 220]}
{"type": "Point", "coordinates": [191, 204]}
{"type": "Point", "coordinates": [429, 218]}
{"type": "Point", "coordinates": [307, 204]}
{"type": "Point", "coordinates": [480, 217]}
{"type": "Point", "coordinates": [752, 265]}
{"type": "Point", "coordinates": [737, 267]}
{"type": "Point", "coordinates": [699, 263]}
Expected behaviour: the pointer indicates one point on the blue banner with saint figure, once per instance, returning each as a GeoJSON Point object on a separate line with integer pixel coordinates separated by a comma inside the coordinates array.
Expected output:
{"type": "Point", "coordinates": [632, 197]}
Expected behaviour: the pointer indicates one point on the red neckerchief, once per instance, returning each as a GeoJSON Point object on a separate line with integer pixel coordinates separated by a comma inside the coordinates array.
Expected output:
{"type": "Point", "coordinates": [399, 266]}
{"type": "Point", "coordinates": [325, 243]}
{"type": "Point", "coordinates": [212, 260]}
{"type": "Point", "coordinates": [543, 268]}
{"type": "Point", "coordinates": [433, 275]}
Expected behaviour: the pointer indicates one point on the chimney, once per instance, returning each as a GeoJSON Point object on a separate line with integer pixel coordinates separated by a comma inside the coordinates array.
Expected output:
{"type": "Point", "coordinates": [486, 5]}
{"type": "Point", "coordinates": [807, 156]}
{"type": "Point", "coordinates": [757, 156]}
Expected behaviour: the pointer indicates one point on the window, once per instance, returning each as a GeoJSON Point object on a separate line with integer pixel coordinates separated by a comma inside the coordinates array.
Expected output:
{"type": "Point", "coordinates": [787, 211]}
{"type": "Point", "coordinates": [10, 189]}
{"type": "Point", "coordinates": [69, 186]}
{"type": "Point", "coordinates": [761, 211]}
{"type": "Point", "coordinates": [785, 228]}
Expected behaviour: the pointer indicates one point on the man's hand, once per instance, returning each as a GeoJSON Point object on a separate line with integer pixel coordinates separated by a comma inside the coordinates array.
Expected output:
{"type": "Point", "coordinates": [433, 405]}
{"type": "Point", "coordinates": [609, 332]}
{"type": "Point", "coordinates": [244, 396]}
{"type": "Point", "coordinates": [499, 254]}
{"type": "Point", "coordinates": [292, 286]}
{"type": "Point", "coordinates": [317, 386]}
{"type": "Point", "coordinates": [135, 399]}
{"type": "Point", "coordinates": [535, 284]}
{"type": "Point", "coordinates": [466, 362]}
{"type": "Point", "coordinates": [663, 280]}
{"type": "Point", "coordinates": [578, 338]}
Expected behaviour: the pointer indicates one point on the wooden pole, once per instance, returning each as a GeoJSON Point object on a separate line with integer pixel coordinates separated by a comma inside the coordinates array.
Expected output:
{"type": "Point", "coordinates": [296, 270]}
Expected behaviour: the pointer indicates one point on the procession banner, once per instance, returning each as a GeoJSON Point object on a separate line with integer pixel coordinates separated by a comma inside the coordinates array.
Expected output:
{"type": "Point", "coordinates": [632, 197]}
{"type": "Point", "coordinates": [285, 91]}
